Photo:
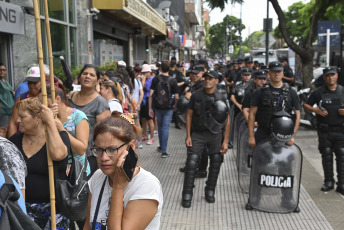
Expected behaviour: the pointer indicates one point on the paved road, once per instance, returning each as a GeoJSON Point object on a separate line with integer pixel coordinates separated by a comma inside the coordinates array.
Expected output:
{"type": "Point", "coordinates": [318, 210]}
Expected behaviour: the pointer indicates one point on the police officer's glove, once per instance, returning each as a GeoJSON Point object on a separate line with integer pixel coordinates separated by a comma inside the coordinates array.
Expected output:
{"type": "Point", "coordinates": [187, 82]}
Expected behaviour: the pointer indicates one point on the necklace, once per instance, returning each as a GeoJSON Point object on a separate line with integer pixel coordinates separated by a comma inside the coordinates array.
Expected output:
{"type": "Point", "coordinates": [36, 139]}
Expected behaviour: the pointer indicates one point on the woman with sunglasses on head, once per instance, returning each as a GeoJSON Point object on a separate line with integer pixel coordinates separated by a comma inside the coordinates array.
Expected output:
{"type": "Point", "coordinates": [112, 93]}
{"type": "Point", "coordinates": [115, 203]}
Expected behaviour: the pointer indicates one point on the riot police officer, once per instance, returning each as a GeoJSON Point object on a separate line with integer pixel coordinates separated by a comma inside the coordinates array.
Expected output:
{"type": "Point", "coordinates": [237, 93]}
{"type": "Point", "coordinates": [197, 83]}
{"type": "Point", "coordinates": [330, 115]}
{"type": "Point", "coordinates": [260, 77]}
{"type": "Point", "coordinates": [288, 75]}
{"type": "Point", "coordinates": [206, 118]}
{"type": "Point", "coordinates": [268, 99]}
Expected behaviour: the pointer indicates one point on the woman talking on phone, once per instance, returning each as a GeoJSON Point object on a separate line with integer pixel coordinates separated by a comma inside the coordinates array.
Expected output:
{"type": "Point", "coordinates": [122, 194]}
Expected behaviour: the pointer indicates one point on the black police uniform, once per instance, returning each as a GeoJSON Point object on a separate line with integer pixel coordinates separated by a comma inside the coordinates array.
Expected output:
{"type": "Point", "coordinates": [287, 72]}
{"type": "Point", "coordinates": [200, 103]}
{"type": "Point", "coordinates": [239, 89]}
{"type": "Point", "coordinates": [270, 100]}
{"type": "Point", "coordinates": [330, 133]}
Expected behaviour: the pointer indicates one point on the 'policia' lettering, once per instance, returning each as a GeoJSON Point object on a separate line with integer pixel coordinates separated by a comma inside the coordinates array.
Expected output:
{"type": "Point", "coordinates": [276, 181]}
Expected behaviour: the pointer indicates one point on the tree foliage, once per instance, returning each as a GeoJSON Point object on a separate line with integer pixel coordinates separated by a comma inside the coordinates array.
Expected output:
{"type": "Point", "coordinates": [252, 40]}
{"type": "Point", "coordinates": [298, 18]}
{"type": "Point", "coordinates": [216, 42]}
{"type": "Point", "coordinates": [221, 3]}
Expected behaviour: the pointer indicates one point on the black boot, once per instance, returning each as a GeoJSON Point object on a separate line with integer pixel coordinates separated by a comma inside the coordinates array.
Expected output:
{"type": "Point", "coordinates": [327, 162]}
{"type": "Point", "coordinates": [189, 179]}
{"type": "Point", "coordinates": [214, 170]}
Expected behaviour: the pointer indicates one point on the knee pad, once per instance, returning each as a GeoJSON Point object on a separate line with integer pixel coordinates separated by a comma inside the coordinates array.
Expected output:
{"type": "Point", "coordinates": [340, 151]}
{"type": "Point", "coordinates": [192, 161]}
{"type": "Point", "coordinates": [216, 158]}
{"type": "Point", "coordinates": [326, 151]}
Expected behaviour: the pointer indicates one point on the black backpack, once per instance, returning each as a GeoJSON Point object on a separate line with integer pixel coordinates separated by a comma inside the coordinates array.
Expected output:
{"type": "Point", "coordinates": [12, 216]}
{"type": "Point", "coordinates": [162, 94]}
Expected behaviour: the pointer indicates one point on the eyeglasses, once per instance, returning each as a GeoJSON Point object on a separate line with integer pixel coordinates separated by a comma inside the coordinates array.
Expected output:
{"type": "Point", "coordinates": [110, 151]}
{"type": "Point", "coordinates": [3, 70]}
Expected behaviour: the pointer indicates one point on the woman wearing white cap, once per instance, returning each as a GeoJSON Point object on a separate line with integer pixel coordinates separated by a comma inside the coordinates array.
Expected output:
{"type": "Point", "coordinates": [34, 84]}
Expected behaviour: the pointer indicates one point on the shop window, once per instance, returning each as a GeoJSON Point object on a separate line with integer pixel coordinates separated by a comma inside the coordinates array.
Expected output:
{"type": "Point", "coordinates": [62, 17]}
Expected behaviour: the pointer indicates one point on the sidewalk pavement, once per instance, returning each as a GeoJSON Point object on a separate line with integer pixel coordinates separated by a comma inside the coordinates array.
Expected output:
{"type": "Point", "coordinates": [319, 210]}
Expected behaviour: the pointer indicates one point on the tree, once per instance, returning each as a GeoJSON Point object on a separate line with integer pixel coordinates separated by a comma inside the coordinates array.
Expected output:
{"type": "Point", "coordinates": [304, 49]}
{"type": "Point", "coordinates": [252, 40]}
{"type": "Point", "coordinates": [318, 8]}
{"type": "Point", "coordinates": [216, 42]}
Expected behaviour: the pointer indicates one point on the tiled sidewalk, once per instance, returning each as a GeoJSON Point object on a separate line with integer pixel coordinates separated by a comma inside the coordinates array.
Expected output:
{"type": "Point", "coordinates": [228, 212]}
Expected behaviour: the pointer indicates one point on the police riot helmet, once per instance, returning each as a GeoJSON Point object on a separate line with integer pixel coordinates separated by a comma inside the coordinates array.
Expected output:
{"type": "Point", "coordinates": [282, 126]}
{"type": "Point", "coordinates": [182, 105]}
{"type": "Point", "coordinates": [218, 115]}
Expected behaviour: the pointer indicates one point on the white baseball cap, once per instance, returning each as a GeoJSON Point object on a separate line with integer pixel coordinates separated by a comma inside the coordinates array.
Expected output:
{"type": "Point", "coordinates": [122, 63]}
{"type": "Point", "coordinates": [33, 74]}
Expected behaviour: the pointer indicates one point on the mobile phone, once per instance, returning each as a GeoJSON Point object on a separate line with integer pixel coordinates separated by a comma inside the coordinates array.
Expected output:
{"type": "Point", "coordinates": [129, 165]}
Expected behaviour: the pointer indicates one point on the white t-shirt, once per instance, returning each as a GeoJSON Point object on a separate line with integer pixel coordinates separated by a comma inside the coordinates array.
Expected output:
{"type": "Point", "coordinates": [115, 105]}
{"type": "Point", "coordinates": [136, 91]}
{"type": "Point", "coordinates": [143, 186]}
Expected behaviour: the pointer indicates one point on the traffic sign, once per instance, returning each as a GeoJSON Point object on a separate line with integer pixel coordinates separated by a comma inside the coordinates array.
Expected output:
{"type": "Point", "coordinates": [272, 40]}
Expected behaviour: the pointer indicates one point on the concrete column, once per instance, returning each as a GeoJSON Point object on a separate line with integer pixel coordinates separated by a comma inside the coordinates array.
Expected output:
{"type": "Point", "coordinates": [131, 50]}
{"type": "Point", "coordinates": [150, 51]}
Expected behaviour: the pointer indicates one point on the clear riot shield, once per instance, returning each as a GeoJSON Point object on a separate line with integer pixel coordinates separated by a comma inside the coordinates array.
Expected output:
{"type": "Point", "coordinates": [244, 167]}
{"type": "Point", "coordinates": [231, 120]}
{"type": "Point", "coordinates": [182, 117]}
{"type": "Point", "coordinates": [275, 177]}
{"type": "Point", "coordinates": [239, 119]}
{"type": "Point", "coordinates": [236, 124]}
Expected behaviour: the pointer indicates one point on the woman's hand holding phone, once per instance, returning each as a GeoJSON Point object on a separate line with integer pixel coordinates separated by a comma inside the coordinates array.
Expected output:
{"type": "Point", "coordinates": [120, 180]}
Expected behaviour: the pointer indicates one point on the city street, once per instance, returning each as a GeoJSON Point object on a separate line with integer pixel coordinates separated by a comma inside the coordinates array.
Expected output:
{"type": "Point", "coordinates": [319, 210]}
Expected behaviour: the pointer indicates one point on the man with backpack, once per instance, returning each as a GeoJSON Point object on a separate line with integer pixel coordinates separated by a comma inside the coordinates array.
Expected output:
{"type": "Point", "coordinates": [163, 97]}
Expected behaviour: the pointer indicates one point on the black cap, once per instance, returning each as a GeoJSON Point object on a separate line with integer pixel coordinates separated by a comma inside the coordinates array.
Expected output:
{"type": "Point", "coordinates": [197, 69]}
{"type": "Point", "coordinates": [211, 73]}
{"type": "Point", "coordinates": [261, 74]}
{"type": "Point", "coordinates": [264, 67]}
{"type": "Point", "coordinates": [235, 61]}
{"type": "Point", "coordinates": [203, 62]}
{"type": "Point", "coordinates": [245, 71]}
{"type": "Point", "coordinates": [275, 66]}
{"type": "Point", "coordinates": [240, 61]}
{"type": "Point", "coordinates": [330, 69]}
{"type": "Point", "coordinates": [248, 59]}
{"type": "Point", "coordinates": [179, 65]}
{"type": "Point", "coordinates": [317, 64]}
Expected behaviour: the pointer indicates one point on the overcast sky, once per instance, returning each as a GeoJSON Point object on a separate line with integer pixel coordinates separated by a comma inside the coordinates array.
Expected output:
{"type": "Point", "coordinates": [253, 13]}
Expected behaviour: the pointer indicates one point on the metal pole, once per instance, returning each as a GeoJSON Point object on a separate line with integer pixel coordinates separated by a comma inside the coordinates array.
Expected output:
{"type": "Point", "coordinates": [226, 36]}
{"type": "Point", "coordinates": [239, 53]}
{"type": "Point", "coordinates": [267, 34]}
{"type": "Point", "coordinates": [328, 47]}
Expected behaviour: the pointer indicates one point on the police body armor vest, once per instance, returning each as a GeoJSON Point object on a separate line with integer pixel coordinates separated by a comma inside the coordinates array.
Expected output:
{"type": "Point", "coordinates": [271, 102]}
{"type": "Point", "coordinates": [196, 86]}
{"type": "Point", "coordinates": [240, 92]}
{"type": "Point", "coordinates": [332, 102]}
{"type": "Point", "coordinates": [201, 109]}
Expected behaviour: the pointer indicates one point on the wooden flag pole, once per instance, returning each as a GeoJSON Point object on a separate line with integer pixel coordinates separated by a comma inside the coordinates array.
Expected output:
{"type": "Point", "coordinates": [45, 102]}
{"type": "Point", "coordinates": [50, 51]}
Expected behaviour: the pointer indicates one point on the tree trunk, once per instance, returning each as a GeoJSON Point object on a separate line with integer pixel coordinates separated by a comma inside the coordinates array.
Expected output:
{"type": "Point", "coordinates": [307, 70]}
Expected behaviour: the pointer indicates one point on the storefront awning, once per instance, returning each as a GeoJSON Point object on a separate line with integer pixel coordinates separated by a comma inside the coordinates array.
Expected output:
{"type": "Point", "coordinates": [135, 13]}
